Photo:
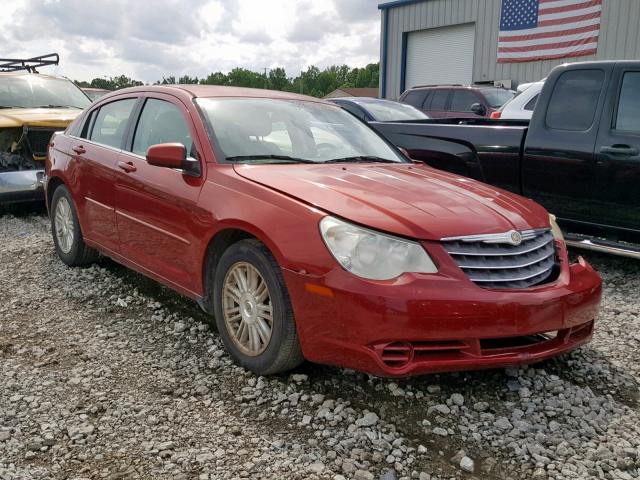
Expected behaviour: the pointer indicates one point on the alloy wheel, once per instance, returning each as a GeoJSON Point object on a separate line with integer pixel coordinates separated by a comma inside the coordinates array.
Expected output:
{"type": "Point", "coordinates": [247, 309]}
{"type": "Point", "coordinates": [64, 226]}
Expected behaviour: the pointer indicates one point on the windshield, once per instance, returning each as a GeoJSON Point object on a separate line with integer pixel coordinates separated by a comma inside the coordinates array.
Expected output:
{"type": "Point", "coordinates": [388, 111]}
{"type": "Point", "coordinates": [269, 130]}
{"type": "Point", "coordinates": [496, 97]}
{"type": "Point", "coordinates": [33, 91]}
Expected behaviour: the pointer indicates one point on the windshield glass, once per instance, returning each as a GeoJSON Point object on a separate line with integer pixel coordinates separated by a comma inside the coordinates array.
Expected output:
{"type": "Point", "coordinates": [274, 130]}
{"type": "Point", "coordinates": [33, 91]}
{"type": "Point", "coordinates": [388, 111]}
{"type": "Point", "coordinates": [496, 97]}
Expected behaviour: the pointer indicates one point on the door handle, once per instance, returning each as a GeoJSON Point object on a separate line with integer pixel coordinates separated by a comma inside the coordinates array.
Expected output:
{"type": "Point", "coordinates": [625, 150]}
{"type": "Point", "coordinates": [127, 166]}
{"type": "Point", "coordinates": [79, 149]}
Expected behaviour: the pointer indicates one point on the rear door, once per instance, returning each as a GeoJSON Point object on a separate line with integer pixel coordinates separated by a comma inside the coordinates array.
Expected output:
{"type": "Point", "coordinates": [156, 206]}
{"type": "Point", "coordinates": [94, 156]}
{"type": "Point", "coordinates": [559, 169]}
{"type": "Point", "coordinates": [617, 154]}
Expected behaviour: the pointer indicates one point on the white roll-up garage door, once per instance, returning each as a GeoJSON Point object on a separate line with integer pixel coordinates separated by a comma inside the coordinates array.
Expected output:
{"type": "Point", "coordinates": [440, 55]}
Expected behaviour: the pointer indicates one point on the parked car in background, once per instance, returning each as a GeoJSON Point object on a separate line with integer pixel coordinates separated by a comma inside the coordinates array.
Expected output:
{"type": "Point", "coordinates": [32, 107]}
{"type": "Point", "coordinates": [579, 156]}
{"type": "Point", "coordinates": [95, 93]}
{"type": "Point", "coordinates": [457, 101]}
{"type": "Point", "coordinates": [521, 106]}
{"type": "Point", "coordinates": [332, 246]}
{"type": "Point", "coordinates": [379, 110]}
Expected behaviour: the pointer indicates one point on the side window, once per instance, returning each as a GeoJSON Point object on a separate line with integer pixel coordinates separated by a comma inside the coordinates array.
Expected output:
{"type": "Point", "coordinates": [415, 98]}
{"type": "Point", "coordinates": [531, 104]}
{"type": "Point", "coordinates": [574, 100]}
{"type": "Point", "coordinates": [628, 117]}
{"type": "Point", "coordinates": [439, 99]}
{"type": "Point", "coordinates": [86, 126]}
{"type": "Point", "coordinates": [160, 122]}
{"type": "Point", "coordinates": [111, 122]}
{"type": "Point", "coordinates": [462, 100]}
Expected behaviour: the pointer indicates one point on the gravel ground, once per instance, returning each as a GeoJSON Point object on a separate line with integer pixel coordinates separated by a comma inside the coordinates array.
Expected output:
{"type": "Point", "coordinates": [105, 374]}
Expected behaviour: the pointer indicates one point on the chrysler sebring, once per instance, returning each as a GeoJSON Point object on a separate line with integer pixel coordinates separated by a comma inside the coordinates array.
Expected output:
{"type": "Point", "coordinates": [306, 235]}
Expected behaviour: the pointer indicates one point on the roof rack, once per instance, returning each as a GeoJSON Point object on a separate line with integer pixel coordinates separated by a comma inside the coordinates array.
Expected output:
{"type": "Point", "coordinates": [440, 85]}
{"type": "Point", "coordinates": [28, 64]}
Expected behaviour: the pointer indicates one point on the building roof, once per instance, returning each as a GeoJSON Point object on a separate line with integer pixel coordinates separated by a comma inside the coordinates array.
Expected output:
{"type": "Point", "coordinates": [353, 92]}
{"type": "Point", "coordinates": [397, 3]}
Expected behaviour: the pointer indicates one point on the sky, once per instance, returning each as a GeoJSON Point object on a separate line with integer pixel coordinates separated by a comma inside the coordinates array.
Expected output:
{"type": "Point", "coordinates": [149, 39]}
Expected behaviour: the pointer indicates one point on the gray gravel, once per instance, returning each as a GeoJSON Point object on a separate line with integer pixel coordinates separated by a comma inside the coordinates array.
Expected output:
{"type": "Point", "coordinates": [105, 374]}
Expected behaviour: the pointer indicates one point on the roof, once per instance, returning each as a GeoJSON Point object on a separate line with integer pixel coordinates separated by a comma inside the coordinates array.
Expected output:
{"type": "Point", "coordinates": [397, 3]}
{"type": "Point", "coordinates": [208, 91]}
{"type": "Point", "coordinates": [354, 92]}
{"type": "Point", "coordinates": [94, 89]}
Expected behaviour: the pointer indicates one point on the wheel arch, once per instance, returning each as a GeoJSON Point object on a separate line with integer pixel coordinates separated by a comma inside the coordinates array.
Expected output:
{"type": "Point", "coordinates": [228, 233]}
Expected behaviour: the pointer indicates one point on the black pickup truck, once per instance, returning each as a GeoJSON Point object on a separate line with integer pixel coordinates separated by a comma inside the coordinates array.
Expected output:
{"type": "Point", "coordinates": [579, 156]}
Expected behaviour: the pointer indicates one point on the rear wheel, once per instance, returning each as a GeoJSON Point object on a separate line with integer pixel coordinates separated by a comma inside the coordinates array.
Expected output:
{"type": "Point", "coordinates": [65, 228]}
{"type": "Point", "coordinates": [253, 311]}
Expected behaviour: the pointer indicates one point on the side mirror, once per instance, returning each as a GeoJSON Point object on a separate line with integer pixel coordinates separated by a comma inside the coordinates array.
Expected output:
{"type": "Point", "coordinates": [479, 109]}
{"type": "Point", "coordinates": [168, 155]}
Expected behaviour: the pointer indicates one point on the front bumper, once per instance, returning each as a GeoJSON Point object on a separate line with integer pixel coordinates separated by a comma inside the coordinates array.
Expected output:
{"type": "Point", "coordinates": [443, 322]}
{"type": "Point", "coordinates": [21, 186]}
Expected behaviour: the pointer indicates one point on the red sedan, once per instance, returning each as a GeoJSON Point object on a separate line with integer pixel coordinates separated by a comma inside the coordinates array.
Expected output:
{"type": "Point", "coordinates": [308, 236]}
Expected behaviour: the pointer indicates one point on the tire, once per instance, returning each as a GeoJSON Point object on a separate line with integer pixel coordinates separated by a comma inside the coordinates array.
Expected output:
{"type": "Point", "coordinates": [282, 351]}
{"type": "Point", "coordinates": [64, 220]}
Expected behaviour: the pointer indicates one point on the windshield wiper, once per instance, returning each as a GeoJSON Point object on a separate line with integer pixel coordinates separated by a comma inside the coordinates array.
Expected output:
{"type": "Point", "coordinates": [361, 159]}
{"type": "Point", "coordinates": [58, 106]}
{"type": "Point", "coordinates": [11, 106]}
{"type": "Point", "coordinates": [281, 158]}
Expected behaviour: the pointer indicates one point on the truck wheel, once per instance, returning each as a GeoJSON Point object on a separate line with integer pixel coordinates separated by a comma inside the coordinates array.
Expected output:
{"type": "Point", "coordinates": [65, 229]}
{"type": "Point", "coordinates": [253, 311]}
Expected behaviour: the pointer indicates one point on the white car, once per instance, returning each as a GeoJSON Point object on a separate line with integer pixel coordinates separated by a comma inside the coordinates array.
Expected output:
{"type": "Point", "coordinates": [521, 106]}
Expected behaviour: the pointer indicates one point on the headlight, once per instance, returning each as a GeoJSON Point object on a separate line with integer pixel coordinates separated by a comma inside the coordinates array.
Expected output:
{"type": "Point", "coordinates": [373, 255]}
{"type": "Point", "coordinates": [555, 229]}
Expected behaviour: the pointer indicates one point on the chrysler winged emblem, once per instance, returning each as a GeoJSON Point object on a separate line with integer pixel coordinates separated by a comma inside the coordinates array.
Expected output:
{"type": "Point", "coordinates": [516, 237]}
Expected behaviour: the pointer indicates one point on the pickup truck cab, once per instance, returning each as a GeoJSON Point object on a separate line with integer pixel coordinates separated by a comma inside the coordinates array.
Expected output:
{"type": "Point", "coordinates": [579, 156]}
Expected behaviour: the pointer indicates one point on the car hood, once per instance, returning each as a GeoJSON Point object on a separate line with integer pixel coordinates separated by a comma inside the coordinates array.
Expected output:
{"type": "Point", "coordinates": [410, 200]}
{"type": "Point", "coordinates": [37, 117]}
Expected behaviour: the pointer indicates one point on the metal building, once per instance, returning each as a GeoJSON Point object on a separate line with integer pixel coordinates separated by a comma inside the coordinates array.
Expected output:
{"type": "Point", "coordinates": [456, 41]}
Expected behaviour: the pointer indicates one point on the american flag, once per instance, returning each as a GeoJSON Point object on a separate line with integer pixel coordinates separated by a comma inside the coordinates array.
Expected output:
{"type": "Point", "coordinates": [542, 29]}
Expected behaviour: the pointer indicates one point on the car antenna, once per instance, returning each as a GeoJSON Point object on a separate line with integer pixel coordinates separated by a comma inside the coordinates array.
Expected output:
{"type": "Point", "coordinates": [28, 64]}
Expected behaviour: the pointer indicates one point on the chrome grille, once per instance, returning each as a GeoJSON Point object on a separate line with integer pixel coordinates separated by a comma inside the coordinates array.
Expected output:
{"type": "Point", "coordinates": [493, 261]}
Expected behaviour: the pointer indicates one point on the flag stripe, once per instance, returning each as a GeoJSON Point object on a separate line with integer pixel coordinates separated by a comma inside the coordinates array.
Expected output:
{"type": "Point", "coordinates": [552, 28]}
{"type": "Point", "coordinates": [547, 46]}
{"type": "Point", "coordinates": [553, 34]}
{"type": "Point", "coordinates": [583, 37]}
{"type": "Point", "coordinates": [541, 56]}
{"type": "Point", "coordinates": [564, 21]}
{"type": "Point", "coordinates": [568, 8]}
{"type": "Point", "coordinates": [549, 51]}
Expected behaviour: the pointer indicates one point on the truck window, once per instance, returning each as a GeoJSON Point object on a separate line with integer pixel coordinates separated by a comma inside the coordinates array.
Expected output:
{"type": "Point", "coordinates": [628, 118]}
{"type": "Point", "coordinates": [574, 100]}
{"type": "Point", "coordinates": [462, 100]}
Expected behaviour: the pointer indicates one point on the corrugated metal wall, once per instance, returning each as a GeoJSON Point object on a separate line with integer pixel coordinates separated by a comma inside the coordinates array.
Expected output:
{"type": "Point", "coordinates": [619, 37]}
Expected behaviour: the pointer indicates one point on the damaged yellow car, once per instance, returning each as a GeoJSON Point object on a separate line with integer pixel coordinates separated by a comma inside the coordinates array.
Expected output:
{"type": "Point", "coordinates": [32, 107]}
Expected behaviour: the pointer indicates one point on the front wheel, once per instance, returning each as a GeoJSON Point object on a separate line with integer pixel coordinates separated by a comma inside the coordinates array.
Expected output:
{"type": "Point", "coordinates": [65, 228]}
{"type": "Point", "coordinates": [253, 311]}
